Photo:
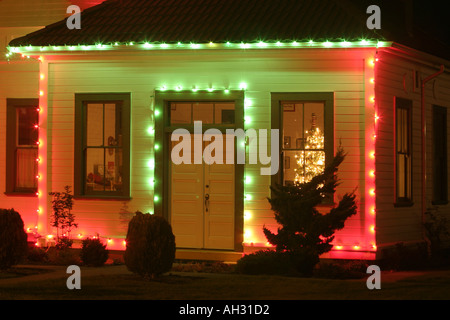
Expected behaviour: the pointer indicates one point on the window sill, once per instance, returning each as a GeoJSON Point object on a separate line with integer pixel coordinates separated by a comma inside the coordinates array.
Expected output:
{"type": "Point", "coordinates": [21, 194]}
{"type": "Point", "coordinates": [102, 198]}
{"type": "Point", "coordinates": [440, 203]}
{"type": "Point", "coordinates": [403, 204]}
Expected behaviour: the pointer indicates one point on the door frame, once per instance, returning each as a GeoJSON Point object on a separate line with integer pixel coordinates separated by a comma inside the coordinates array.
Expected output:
{"type": "Point", "coordinates": [162, 154]}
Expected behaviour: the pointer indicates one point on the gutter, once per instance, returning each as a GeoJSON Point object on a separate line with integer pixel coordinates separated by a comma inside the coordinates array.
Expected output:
{"type": "Point", "coordinates": [424, 134]}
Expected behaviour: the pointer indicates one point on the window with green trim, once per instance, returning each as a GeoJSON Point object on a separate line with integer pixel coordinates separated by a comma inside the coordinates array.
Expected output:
{"type": "Point", "coordinates": [305, 121]}
{"type": "Point", "coordinates": [102, 166]}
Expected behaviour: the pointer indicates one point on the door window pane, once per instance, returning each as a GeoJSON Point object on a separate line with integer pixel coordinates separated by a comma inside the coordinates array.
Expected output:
{"type": "Point", "coordinates": [224, 113]}
{"type": "Point", "coordinates": [180, 113]}
{"type": "Point", "coordinates": [206, 112]}
{"type": "Point", "coordinates": [203, 112]}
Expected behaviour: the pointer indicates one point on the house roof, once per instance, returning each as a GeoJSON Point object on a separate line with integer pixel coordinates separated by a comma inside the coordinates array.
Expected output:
{"type": "Point", "coordinates": [204, 21]}
{"type": "Point", "coordinates": [235, 21]}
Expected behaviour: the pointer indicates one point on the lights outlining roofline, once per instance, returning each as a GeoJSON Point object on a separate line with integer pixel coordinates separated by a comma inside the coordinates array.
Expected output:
{"type": "Point", "coordinates": [210, 45]}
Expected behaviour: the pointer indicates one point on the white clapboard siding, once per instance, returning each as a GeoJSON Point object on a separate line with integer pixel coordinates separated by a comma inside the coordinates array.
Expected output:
{"type": "Point", "coordinates": [403, 223]}
{"type": "Point", "coordinates": [263, 71]}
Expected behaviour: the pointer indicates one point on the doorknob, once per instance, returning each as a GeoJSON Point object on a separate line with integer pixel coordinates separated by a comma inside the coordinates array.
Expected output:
{"type": "Point", "coordinates": [206, 201]}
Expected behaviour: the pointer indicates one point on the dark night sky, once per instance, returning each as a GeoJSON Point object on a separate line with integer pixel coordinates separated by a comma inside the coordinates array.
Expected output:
{"type": "Point", "coordinates": [433, 16]}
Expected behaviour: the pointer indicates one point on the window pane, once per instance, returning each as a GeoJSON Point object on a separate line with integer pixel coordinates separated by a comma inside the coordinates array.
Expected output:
{"type": "Point", "coordinates": [113, 169]}
{"type": "Point", "coordinates": [402, 130]}
{"type": "Point", "coordinates": [302, 166]}
{"type": "Point", "coordinates": [112, 125]}
{"type": "Point", "coordinates": [180, 113]}
{"type": "Point", "coordinates": [203, 112]}
{"type": "Point", "coordinates": [104, 169]}
{"type": "Point", "coordinates": [94, 125]}
{"type": "Point", "coordinates": [293, 134]}
{"type": "Point", "coordinates": [26, 167]}
{"type": "Point", "coordinates": [314, 125]}
{"type": "Point", "coordinates": [95, 169]}
{"type": "Point", "coordinates": [27, 118]}
{"type": "Point", "coordinates": [224, 113]}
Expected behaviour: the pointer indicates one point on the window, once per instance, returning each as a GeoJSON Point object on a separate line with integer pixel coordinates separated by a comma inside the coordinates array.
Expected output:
{"type": "Point", "coordinates": [440, 174]}
{"type": "Point", "coordinates": [403, 151]}
{"type": "Point", "coordinates": [206, 112]}
{"type": "Point", "coordinates": [305, 121]}
{"type": "Point", "coordinates": [22, 149]}
{"type": "Point", "coordinates": [102, 145]}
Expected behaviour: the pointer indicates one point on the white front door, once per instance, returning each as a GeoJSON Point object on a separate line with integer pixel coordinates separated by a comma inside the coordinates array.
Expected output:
{"type": "Point", "coordinates": [202, 203]}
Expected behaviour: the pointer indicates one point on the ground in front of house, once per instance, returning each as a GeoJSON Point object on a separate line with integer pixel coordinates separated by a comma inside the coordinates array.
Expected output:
{"type": "Point", "coordinates": [113, 282]}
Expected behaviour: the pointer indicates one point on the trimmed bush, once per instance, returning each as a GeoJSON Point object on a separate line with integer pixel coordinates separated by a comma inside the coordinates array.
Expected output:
{"type": "Point", "coordinates": [150, 249]}
{"type": "Point", "coordinates": [37, 255]}
{"type": "Point", "coordinates": [63, 257]}
{"type": "Point", "coordinates": [93, 253]}
{"type": "Point", "coordinates": [13, 238]}
{"type": "Point", "coordinates": [266, 262]}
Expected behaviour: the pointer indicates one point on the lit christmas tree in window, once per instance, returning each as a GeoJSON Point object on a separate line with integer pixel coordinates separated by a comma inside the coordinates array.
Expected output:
{"type": "Point", "coordinates": [310, 161]}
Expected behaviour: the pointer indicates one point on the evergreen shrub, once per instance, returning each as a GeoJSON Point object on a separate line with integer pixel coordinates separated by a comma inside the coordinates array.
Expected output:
{"type": "Point", "coordinates": [93, 253]}
{"type": "Point", "coordinates": [150, 245]}
{"type": "Point", "coordinates": [13, 238]}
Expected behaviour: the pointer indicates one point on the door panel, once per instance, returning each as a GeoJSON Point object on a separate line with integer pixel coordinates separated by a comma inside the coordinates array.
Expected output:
{"type": "Point", "coordinates": [202, 204]}
{"type": "Point", "coordinates": [186, 203]}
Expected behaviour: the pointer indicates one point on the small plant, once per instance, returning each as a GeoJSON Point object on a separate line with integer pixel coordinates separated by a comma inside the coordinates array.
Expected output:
{"type": "Point", "coordinates": [63, 243]}
{"type": "Point", "coordinates": [37, 255]}
{"type": "Point", "coordinates": [62, 218]}
{"type": "Point", "coordinates": [150, 245]}
{"type": "Point", "coordinates": [13, 238]}
{"type": "Point", "coordinates": [437, 229]}
{"type": "Point", "coordinates": [93, 253]}
{"type": "Point", "coordinates": [63, 257]}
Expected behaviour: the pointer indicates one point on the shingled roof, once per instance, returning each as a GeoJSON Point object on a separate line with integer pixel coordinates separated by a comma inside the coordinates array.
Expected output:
{"type": "Point", "coordinates": [204, 21]}
{"type": "Point", "coordinates": [236, 21]}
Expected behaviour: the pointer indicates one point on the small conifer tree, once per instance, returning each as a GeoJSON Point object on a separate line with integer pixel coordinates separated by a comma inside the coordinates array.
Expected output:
{"type": "Point", "coordinates": [63, 219]}
{"type": "Point", "coordinates": [305, 233]}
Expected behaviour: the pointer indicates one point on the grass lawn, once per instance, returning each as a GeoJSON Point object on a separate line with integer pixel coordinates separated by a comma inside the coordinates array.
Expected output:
{"type": "Point", "coordinates": [116, 282]}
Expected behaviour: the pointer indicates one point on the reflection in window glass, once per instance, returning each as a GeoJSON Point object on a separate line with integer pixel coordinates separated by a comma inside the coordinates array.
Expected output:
{"type": "Point", "coordinates": [26, 118]}
{"type": "Point", "coordinates": [303, 141]}
{"type": "Point", "coordinates": [104, 153]}
{"type": "Point", "coordinates": [26, 149]}
{"type": "Point", "coordinates": [203, 112]}
{"type": "Point", "coordinates": [180, 113]}
{"type": "Point", "coordinates": [403, 141]}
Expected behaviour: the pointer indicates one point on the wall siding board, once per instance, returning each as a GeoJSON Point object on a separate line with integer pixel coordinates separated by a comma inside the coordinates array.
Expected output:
{"type": "Point", "coordinates": [395, 79]}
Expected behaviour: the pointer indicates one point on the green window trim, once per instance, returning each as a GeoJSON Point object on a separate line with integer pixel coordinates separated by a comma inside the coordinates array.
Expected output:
{"type": "Point", "coordinates": [277, 98]}
{"type": "Point", "coordinates": [81, 99]}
